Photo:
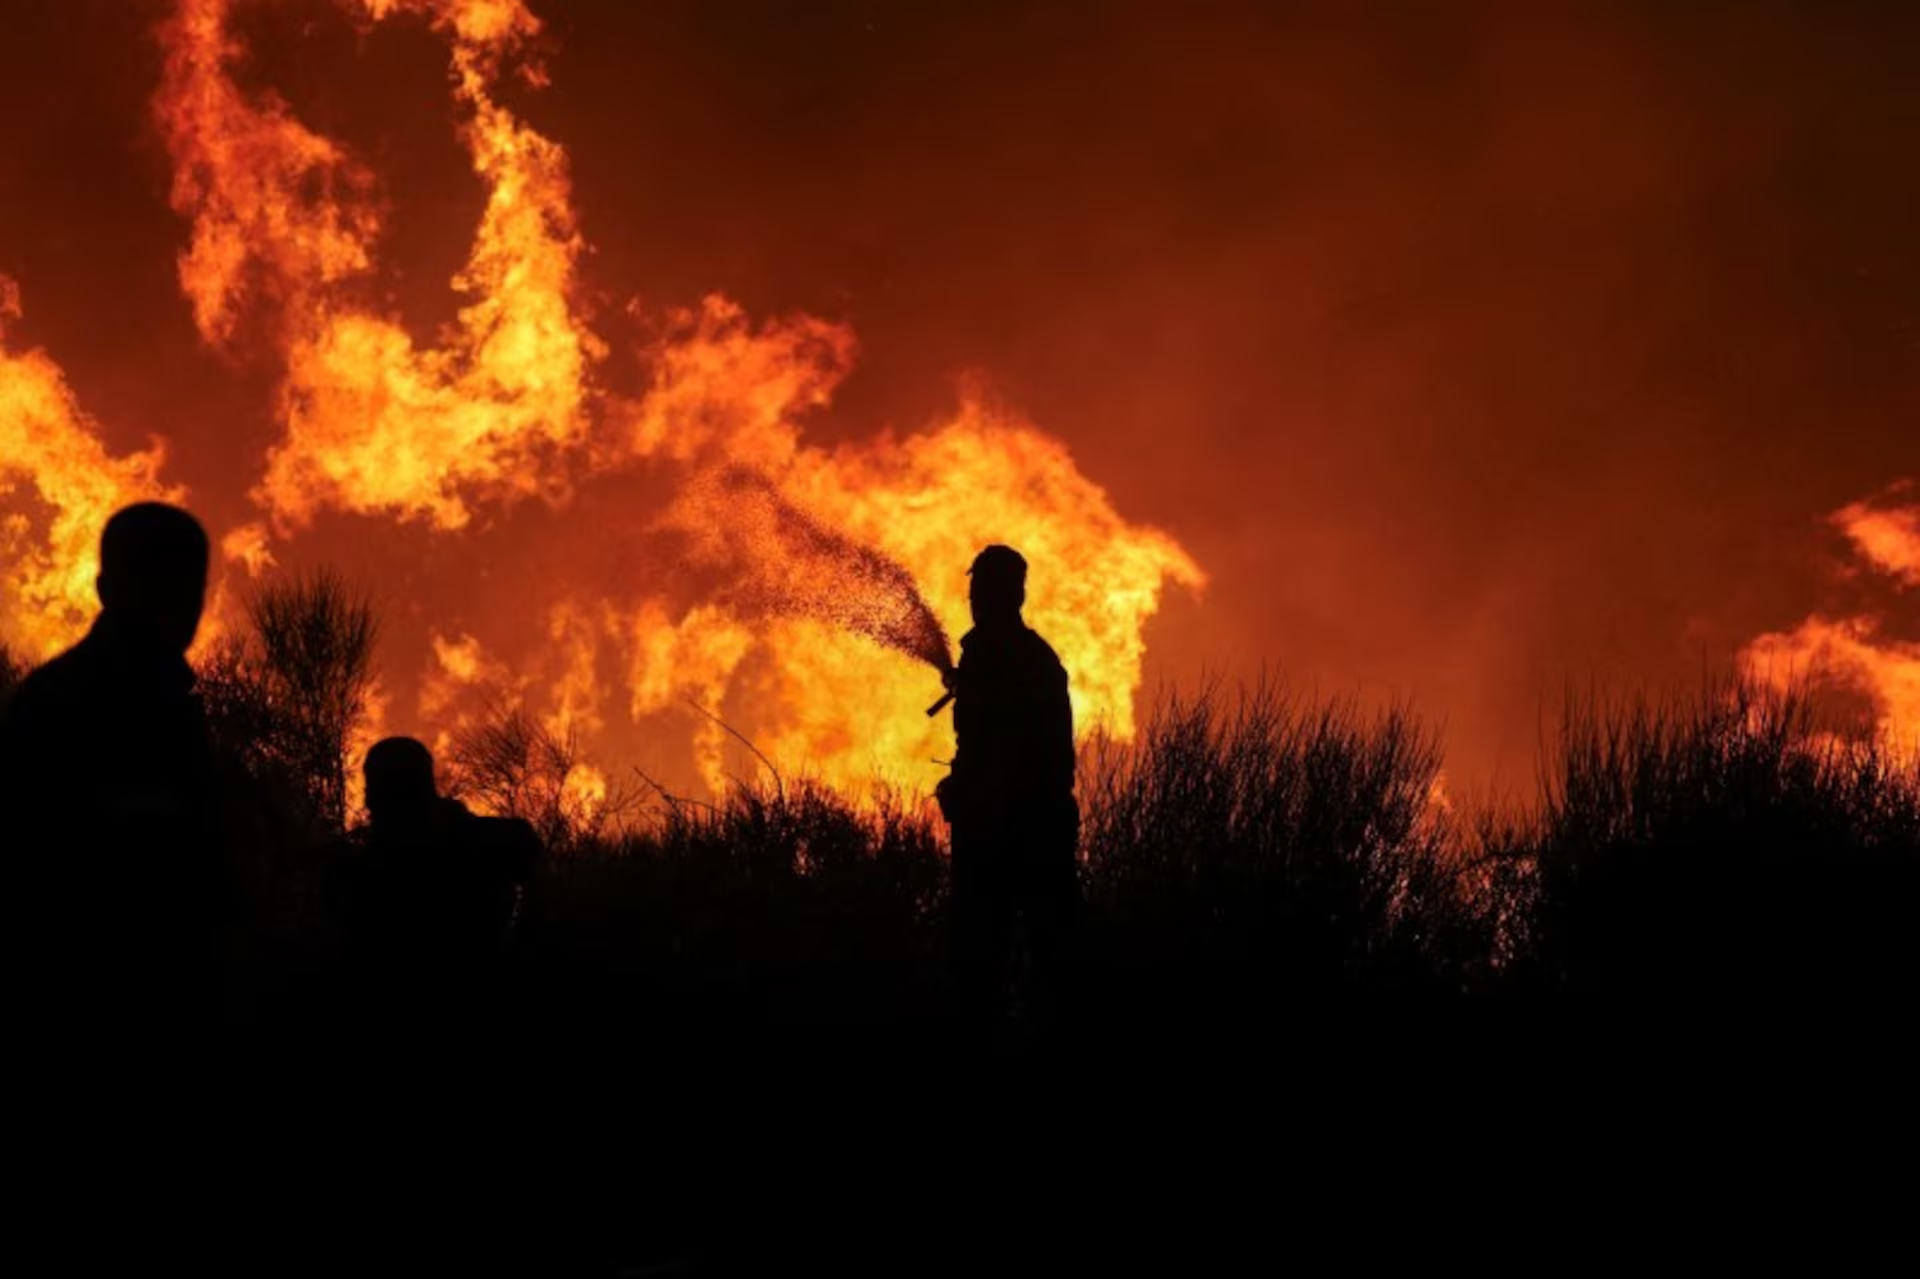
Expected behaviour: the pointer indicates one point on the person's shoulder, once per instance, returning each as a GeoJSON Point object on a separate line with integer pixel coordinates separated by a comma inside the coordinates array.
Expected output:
{"type": "Point", "coordinates": [1019, 653]}
{"type": "Point", "coordinates": [512, 835]}
{"type": "Point", "coordinates": [47, 685]}
{"type": "Point", "coordinates": [61, 670]}
{"type": "Point", "coordinates": [347, 863]}
{"type": "Point", "coordinates": [508, 826]}
{"type": "Point", "coordinates": [1003, 642]}
{"type": "Point", "coordinates": [1035, 649]}
{"type": "Point", "coordinates": [516, 830]}
{"type": "Point", "coordinates": [347, 852]}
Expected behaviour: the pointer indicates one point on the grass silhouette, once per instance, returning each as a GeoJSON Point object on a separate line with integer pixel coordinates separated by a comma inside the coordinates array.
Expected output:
{"type": "Point", "coordinates": [1733, 850]}
{"type": "Point", "coordinates": [1250, 853]}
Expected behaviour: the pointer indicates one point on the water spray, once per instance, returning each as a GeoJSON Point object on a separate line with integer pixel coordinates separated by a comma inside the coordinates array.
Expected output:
{"type": "Point", "coordinates": [780, 560]}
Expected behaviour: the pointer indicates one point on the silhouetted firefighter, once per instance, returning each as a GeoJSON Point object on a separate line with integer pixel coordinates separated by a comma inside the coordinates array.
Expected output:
{"type": "Point", "coordinates": [1009, 796]}
{"type": "Point", "coordinates": [108, 790]}
{"type": "Point", "coordinates": [431, 898]}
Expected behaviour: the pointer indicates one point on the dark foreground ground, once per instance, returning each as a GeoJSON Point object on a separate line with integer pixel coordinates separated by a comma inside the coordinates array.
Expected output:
{"type": "Point", "coordinates": [1308, 1014]}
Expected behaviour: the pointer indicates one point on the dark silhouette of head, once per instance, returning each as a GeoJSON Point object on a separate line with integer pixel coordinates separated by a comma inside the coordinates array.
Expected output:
{"type": "Point", "coordinates": [999, 586]}
{"type": "Point", "coordinates": [153, 575]}
{"type": "Point", "coordinates": [400, 788]}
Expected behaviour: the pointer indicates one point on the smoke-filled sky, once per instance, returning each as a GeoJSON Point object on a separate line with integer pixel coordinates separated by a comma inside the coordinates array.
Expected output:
{"type": "Point", "coordinates": [1468, 348]}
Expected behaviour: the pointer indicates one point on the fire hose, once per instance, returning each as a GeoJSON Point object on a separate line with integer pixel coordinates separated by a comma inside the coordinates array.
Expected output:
{"type": "Point", "coordinates": [947, 677]}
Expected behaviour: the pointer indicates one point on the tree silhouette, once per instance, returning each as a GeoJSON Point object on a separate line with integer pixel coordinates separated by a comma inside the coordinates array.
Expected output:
{"type": "Point", "coordinates": [290, 694]}
{"type": "Point", "coordinates": [511, 765]}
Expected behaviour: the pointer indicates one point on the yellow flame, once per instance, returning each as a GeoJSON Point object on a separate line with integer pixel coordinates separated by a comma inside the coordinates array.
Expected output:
{"type": "Point", "coordinates": [835, 704]}
{"type": "Point", "coordinates": [374, 424]}
{"type": "Point", "coordinates": [279, 212]}
{"type": "Point", "coordinates": [695, 657]}
{"type": "Point", "coordinates": [583, 794]}
{"type": "Point", "coordinates": [58, 485]}
{"type": "Point", "coordinates": [504, 408]}
{"type": "Point", "coordinates": [250, 546]}
{"type": "Point", "coordinates": [573, 634]}
{"type": "Point", "coordinates": [368, 729]}
{"type": "Point", "coordinates": [722, 390]}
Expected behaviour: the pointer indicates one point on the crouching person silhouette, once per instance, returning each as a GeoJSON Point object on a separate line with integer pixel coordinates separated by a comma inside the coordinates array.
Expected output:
{"type": "Point", "coordinates": [123, 896]}
{"type": "Point", "coordinates": [432, 900]}
{"type": "Point", "coordinates": [1009, 797]}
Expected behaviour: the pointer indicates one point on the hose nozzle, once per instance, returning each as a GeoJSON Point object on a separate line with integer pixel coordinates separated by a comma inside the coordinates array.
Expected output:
{"type": "Point", "coordinates": [946, 677]}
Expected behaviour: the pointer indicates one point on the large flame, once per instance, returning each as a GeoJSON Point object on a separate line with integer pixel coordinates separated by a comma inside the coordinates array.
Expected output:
{"type": "Point", "coordinates": [797, 595]}
{"type": "Point", "coordinates": [726, 396]}
{"type": "Point", "coordinates": [59, 484]}
{"type": "Point", "coordinates": [1857, 651]}
{"type": "Point", "coordinates": [374, 424]}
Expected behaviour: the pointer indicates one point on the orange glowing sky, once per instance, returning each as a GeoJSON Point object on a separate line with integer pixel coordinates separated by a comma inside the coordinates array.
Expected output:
{"type": "Point", "coordinates": [1465, 349]}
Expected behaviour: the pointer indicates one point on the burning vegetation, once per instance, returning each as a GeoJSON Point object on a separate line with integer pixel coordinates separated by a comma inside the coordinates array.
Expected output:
{"type": "Point", "coordinates": [696, 589]}
{"type": "Point", "coordinates": [771, 580]}
{"type": "Point", "coordinates": [795, 568]}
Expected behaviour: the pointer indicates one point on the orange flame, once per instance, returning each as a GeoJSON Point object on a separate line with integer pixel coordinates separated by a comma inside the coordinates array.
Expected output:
{"type": "Point", "coordinates": [1855, 651]}
{"type": "Point", "coordinates": [464, 677]}
{"type": "Point", "coordinates": [822, 556]}
{"type": "Point", "coordinates": [279, 212]}
{"type": "Point", "coordinates": [58, 484]}
{"type": "Point", "coordinates": [374, 424]}
{"type": "Point", "coordinates": [724, 392]}
{"type": "Point", "coordinates": [369, 728]}
{"type": "Point", "coordinates": [776, 560]}
{"type": "Point", "coordinates": [829, 700]}
{"type": "Point", "coordinates": [696, 658]}
{"type": "Point", "coordinates": [1889, 539]}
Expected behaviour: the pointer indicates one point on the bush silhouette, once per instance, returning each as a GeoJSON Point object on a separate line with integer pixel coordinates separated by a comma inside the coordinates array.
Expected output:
{"type": "Point", "coordinates": [1251, 853]}
{"type": "Point", "coordinates": [778, 903]}
{"type": "Point", "coordinates": [288, 694]}
{"type": "Point", "coordinates": [511, 765]}
{"type": "Point", "coordinates": [283, 699]}
{"type": "Point", "coordinates": [1255, 847]}
{"type": "Point", "coordinates": [1734, 850]}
